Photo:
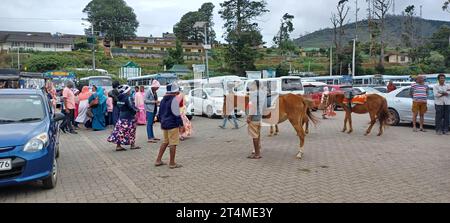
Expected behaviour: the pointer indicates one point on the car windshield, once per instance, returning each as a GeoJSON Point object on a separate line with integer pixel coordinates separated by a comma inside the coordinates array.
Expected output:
{"type": "Point", "coordinates": [215, 92]}
{"type": "Point", "coordinates": [100, 82]}
{"type": "Point", "coordinates": [370, 90]}
{"type": "Point", "coordinates": [59, 83]}
{"type": "Point", "coordinates": [291, 85]}
{"type": "Point", "coordinates": [313, 89]}
{"type": "Point", "coordinates": [21, 108]}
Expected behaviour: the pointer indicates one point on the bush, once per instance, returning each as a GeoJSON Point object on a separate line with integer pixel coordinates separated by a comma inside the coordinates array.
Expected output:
{"type": "Point", "coordinates": [45, 63]}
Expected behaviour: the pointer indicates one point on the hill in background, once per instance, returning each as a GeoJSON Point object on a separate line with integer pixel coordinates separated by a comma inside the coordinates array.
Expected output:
{"type": "Point", "coordinates": [394, 28]}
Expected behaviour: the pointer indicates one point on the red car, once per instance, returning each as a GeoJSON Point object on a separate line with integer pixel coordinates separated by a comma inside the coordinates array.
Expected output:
{"type": "Point", "coordinates": [314, 91]}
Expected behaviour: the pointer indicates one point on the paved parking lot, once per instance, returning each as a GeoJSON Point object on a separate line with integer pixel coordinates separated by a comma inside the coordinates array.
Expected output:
{"type": "Point", "coordinates": [400, 166]}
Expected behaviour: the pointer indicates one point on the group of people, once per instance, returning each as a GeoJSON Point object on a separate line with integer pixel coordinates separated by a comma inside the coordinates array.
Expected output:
{"type": "Point", "coordinates": [143, 106]}
{"type": "Point", "coordinates": [420, 94]}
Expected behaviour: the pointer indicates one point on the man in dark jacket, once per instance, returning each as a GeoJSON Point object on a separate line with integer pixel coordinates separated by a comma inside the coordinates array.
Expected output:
{"type": "Point", "coordinates": [171, 124]}
{"type": "Point", "coordinates": [114, 94]}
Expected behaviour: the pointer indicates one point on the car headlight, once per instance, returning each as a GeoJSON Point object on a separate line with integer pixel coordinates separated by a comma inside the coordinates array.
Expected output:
{"type": "Point", "coordinates": [37, 143]}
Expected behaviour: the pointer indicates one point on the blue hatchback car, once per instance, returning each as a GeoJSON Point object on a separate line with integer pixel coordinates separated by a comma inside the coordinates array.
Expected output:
{"type": "Point", "coordinates": [29, 138]}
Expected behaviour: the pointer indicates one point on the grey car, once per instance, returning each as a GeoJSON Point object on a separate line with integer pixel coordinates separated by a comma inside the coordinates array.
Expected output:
{"type": "Point", "coordinates": [400, 105]}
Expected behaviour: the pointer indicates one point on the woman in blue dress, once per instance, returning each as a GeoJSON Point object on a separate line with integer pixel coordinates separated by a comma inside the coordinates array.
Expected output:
{"type": "Point", "coordinates": [97, 102]}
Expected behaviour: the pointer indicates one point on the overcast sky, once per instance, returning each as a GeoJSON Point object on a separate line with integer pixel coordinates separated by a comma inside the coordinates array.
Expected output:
{"type": "Point", "coordinates": [158, 16]}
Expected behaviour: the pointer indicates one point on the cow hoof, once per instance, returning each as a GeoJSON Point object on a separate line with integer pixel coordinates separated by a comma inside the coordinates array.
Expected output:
{"type": "Point", "coordinates": [379, 134]}
{"type": "Point", "coordinates": [299, 156]}
{"type": "Point", "coordinates": [366, 134]}
{"type": "Point", "coordinates": [350, 132]}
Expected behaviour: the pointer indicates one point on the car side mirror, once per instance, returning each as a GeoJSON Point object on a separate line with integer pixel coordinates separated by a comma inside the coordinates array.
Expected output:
{"type": "Point", "coordinates": [59, 117]}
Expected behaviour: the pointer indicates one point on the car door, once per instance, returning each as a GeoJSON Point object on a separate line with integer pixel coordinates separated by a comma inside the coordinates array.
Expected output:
{"type": "Point", "coordinates": [403, 104]}
{"type": "Point", "coordinates": [206, 100]}
{"type": "Point", "coordinates": [197, 101]}
{"type": "Point", "coordinates": [431, 113]}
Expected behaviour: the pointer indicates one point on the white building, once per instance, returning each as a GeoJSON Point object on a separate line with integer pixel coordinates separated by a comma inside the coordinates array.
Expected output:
{"type": "Point", "coordinates": [10, 41]}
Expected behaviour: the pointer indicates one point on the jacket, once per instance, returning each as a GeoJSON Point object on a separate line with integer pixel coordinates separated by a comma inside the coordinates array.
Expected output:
{"type": "Point", "coordinates": [150, 101]}
{"type": "Point", "coordinates": [169, 113]}
{"type": "Point", "coordinates": [127, 108]}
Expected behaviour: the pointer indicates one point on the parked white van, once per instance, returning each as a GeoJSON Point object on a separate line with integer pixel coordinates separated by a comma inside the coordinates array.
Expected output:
{"type": "Point", "coordinates": [281, 85]}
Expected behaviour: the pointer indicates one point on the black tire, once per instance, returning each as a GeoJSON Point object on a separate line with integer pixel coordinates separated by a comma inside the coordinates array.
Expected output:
{"type": "Point", "coordinates": [394, 118]}
{"type": "Point", "coordinates": [209, 111]}
{"type": "Point", "coordinates": [51, 181]}
{"type": "Point", "coordinates": [57, 143]}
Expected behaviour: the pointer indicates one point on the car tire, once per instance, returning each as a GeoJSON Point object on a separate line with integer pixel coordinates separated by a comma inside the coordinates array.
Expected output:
{"type": "Point", "coordinates": [57, 143]}
{"type": "Point", "coordinates": [209, 111]}
{"type": "Point", "coordinates": [50, 181]}
{"type": "Point", "coordinates": [394, 118]}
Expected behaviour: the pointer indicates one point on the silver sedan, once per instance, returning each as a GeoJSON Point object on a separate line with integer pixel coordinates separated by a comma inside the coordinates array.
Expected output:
{"type": "Point", "coordinates": [400, 105]}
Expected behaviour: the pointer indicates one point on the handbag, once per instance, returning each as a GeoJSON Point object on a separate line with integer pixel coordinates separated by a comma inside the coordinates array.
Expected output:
{"type": "Point", "coordinates": [94, 103]}
{"type": "Point", "coordinates": [89, 113]}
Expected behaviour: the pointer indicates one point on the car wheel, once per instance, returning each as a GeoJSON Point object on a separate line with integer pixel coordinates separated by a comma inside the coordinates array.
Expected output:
{"type": "Point", "coordinates": [57, 143]}
{"type": "Point", "coordinates": [209, 111]}
{"type": "Point", "coordinates": [394, 118]}
{"type": "Point", "coordinates": [50, 181]}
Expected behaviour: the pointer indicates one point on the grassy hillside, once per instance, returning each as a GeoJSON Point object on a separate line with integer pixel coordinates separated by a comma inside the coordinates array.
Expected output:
{"type": "Point", "coordinates": [394, 28]}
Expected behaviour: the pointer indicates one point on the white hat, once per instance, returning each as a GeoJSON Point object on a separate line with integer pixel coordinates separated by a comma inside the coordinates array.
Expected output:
{"type": "Point", "coordinates": [173, 88]}
{"type": "Point", "coordinates": [124, 89]}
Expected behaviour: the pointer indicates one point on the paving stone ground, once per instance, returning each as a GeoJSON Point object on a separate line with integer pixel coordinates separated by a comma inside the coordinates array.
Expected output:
{"type": "Point", "coordinates": [400, 166]}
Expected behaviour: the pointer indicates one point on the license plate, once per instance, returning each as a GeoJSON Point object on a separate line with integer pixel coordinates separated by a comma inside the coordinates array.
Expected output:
{"type": "Point", "coordinates": [5, 164]}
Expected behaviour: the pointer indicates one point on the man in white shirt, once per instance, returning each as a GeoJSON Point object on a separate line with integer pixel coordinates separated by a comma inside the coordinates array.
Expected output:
{"type": "Point", "coordinates": [442, 104]}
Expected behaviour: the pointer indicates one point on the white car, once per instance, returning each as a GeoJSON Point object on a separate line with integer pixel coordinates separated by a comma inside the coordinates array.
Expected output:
{"type": "Point", "coordinates": [400, 105]}
{"type": "Point", "coordinates": [368, 90]}
{"type": "Point", "coordinates": [208, 101]}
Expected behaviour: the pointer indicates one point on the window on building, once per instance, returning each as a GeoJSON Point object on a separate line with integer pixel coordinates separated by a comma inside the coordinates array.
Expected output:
{"type": "Point", "coordinates": [188, 50]}
{"type": "Point", "coordinates": [142, 48]}
{"type": "Point", "coordinates": [162, 49]}
{"type": "Point", "coordinates": [402, 58]}
{"type": "Point", "coordinates": [30, 44]}
{"type": "Point", "coordinates": [47, 45]}
{"type": "Point", "coordinates": [60, 45]}
{"type": "Point", "coordinates": [199, 51]}
{"type": "Point", "coordinates": [190, 44]}
{"type": "Point", "coordinates": [16, 44]}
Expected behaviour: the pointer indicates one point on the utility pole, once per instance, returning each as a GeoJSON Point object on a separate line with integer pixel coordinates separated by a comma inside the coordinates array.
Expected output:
{"type": "Point", "coordinates": [93, 46]}
{"type": "Point", "coordinates": [393, 7]}
{"type": "Point", "coordinates": [331, 61]}
{"type": "Point", "coordinates": [354, 59]}
{"type": "Point", "coordinates": [354, 40]}
{"type": "Point", "coordinates": [206, 51]}
{"type": "Point", "coordinates": [18, 58]}
{"type": "Point", "coordinates": [356, 23]}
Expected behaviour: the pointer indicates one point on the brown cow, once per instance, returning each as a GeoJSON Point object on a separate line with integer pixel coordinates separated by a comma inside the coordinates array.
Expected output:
{"type": "Point", "coordinates": [288, 107]}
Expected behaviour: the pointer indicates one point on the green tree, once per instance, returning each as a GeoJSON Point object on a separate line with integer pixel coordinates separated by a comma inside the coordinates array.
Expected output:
{"type": "Point", "coordinates": [381, 11]}
{"type": "Point", "coordinates": [446, 5]}
{"type": "Point", "coordinates": [408, 35]}
{"type": "Point", "coordinates": [175, 56]}
{"type": "Point", "coordinates": [242, 32]}
{"type": "Point", "coordinates": [114, 18]}
{"type": "Point", "coordinates": [286, 28]}
{"type": "Point", "coordinates": [184, 29]}
{"type": "Point", "coordinates": [45, 63]}
{"type": "Point", "coordinates": [436, 61]}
